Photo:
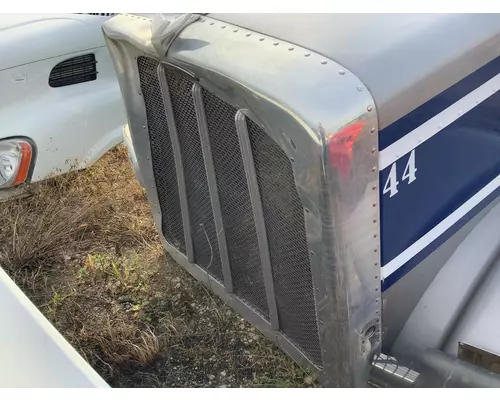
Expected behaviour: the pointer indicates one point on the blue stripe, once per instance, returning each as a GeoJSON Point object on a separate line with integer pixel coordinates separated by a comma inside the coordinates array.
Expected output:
{"type": "Point", "coordinates": [452, 166]}
{"type": "Point", "coordinates": [408, 266]}
{"type": "Point", "coordinates": [434, 106]}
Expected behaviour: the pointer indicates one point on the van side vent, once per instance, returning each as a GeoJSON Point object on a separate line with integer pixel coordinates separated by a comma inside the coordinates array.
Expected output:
{"type": "Point", "coordinates": [74, 70]}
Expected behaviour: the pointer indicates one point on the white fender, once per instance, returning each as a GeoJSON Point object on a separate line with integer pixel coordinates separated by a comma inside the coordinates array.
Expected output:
{"type": "Point", "coordinates": [33, 353]}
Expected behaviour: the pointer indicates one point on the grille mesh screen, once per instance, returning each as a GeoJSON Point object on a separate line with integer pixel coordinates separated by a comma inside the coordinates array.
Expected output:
{"type": "Point", "coordinates": [237, 214]}
{"type": "Point", "coordinates": [162, 155]}
{"type": "Point", "coordinates": [282, 208]}
{"type": "Point", "coordinates": [205, 245]}
{"type": "Point", "coordinates": [284, 219]}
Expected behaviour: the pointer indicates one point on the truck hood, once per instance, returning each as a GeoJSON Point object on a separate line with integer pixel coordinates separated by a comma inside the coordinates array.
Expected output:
{"type": "Point", "coordinates": [27, 38]}
{"type": "Point", "coordinates": [402, 59]}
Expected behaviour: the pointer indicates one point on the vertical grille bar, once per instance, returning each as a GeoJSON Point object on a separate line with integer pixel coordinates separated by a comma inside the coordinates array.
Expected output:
{"type": "Point", "coordinates": [178, 161]}
{"type": "Point", "coordinates": [161, 155]}
{"type": "Point", "coordinates": [253, 188]}
{"type": "Point", "coordinates": [212, 185]}
{"type": "Point", "coordinates": [201, 217]}
{"type": "Point", "coordinates": [235, 204]}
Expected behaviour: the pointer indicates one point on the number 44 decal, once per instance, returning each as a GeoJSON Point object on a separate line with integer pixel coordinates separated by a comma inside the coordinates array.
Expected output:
{"type": "Point", "coordinates": [391, 185]}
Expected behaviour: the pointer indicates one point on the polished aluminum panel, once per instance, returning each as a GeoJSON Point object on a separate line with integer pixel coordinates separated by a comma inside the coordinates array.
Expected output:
{"type": "Point", "coordinates": [389, 52]}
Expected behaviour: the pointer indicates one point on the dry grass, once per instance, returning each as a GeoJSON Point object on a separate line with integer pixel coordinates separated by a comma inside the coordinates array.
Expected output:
{"type": "Point", "coordinates": [85, 250]}
{"type": "Point", "coordinates": [73, 213]}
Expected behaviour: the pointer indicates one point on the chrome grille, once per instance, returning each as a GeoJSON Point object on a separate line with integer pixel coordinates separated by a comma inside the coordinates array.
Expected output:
{"type": "Point", "coordinates": [282, 209]}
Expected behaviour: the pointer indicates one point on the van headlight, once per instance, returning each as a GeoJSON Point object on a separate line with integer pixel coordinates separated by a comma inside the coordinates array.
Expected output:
{"type": "Point", "coordinates": [15, 162]}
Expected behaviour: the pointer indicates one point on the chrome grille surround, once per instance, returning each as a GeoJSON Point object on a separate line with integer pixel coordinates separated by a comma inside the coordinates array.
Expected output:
{"type": "Point", "coordinates": [263, 81]}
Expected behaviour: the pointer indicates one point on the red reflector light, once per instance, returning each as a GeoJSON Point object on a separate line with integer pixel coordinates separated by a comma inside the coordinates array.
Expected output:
{"type": "Point", "coordinates": [340, 148]}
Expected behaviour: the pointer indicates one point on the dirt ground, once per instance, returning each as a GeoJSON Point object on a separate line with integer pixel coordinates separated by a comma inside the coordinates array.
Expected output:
{"type": "Point", "coordinates": [84, 249]}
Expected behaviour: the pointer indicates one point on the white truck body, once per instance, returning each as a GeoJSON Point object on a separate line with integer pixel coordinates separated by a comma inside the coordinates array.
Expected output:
{"type": "Point", "coordinates": [34, 353]}
{"type": "Point", "coordinates": [69, 126]}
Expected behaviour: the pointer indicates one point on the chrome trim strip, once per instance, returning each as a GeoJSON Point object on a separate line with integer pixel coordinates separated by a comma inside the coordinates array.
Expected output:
{"type": "Point", "coordinates": [162, 78]}
{"type": "Point", "coordinates": [212, 185]}
{"type": "Point", "coordinates": [258, 215]}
